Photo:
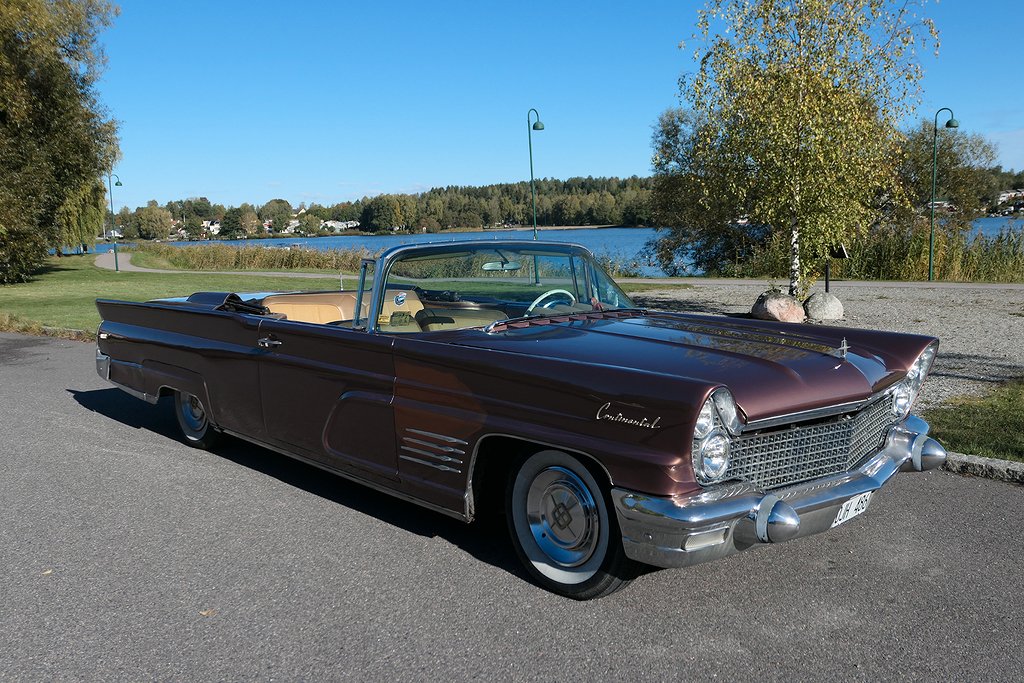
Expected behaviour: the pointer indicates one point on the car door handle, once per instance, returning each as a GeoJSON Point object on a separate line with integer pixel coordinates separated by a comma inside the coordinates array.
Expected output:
{"type": "Point", "coordinates": [267, 342]}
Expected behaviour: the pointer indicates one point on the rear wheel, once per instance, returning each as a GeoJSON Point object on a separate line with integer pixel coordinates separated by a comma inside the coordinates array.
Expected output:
{"type": "Point", "coordinates": [194, 421]}
{"type": "Point", "coordinates": [559, 520]}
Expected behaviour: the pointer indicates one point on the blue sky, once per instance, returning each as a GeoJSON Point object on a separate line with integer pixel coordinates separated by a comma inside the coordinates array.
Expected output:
{"type": "Point", "coordinates": [330, 101]}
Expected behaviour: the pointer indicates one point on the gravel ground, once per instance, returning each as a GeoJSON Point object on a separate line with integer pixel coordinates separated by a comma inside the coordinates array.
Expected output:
{"type": "Point", "coordinates": [980, 328]}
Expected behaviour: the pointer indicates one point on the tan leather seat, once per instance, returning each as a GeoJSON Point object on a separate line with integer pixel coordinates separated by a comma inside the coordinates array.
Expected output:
{"type": "Point", "coordinates": [397, 314]}
{"type": "Point", "coordinates": [319, 307]}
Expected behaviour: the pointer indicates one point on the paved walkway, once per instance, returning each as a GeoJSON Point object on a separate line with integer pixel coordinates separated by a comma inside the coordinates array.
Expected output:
{"type": "Point", "coordinates": [106, 260]}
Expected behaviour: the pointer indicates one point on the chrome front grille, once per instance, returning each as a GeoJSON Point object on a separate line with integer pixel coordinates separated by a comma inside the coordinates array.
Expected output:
{"type": "Point", "coordinates": [784, 457]}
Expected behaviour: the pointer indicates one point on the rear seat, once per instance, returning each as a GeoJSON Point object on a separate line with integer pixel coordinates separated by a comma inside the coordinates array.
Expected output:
{"type": "Point", "coordinates": [321, 308]}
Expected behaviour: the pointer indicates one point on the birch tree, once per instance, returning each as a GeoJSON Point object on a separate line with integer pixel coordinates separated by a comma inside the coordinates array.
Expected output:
{"type": "Point", "coordinates": [790, 123]}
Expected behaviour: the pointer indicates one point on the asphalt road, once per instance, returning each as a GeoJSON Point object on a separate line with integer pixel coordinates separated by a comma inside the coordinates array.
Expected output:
{"type": "Point", "coordinates": [126, 555]}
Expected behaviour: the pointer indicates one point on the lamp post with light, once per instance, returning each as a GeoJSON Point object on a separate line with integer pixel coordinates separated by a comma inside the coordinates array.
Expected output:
{"type": "Point", "coordinates": [536, 125]}
{"type": "Point", "coordinates": [951, 123]}
{"type": "Point", "coordinates": [113, 231]}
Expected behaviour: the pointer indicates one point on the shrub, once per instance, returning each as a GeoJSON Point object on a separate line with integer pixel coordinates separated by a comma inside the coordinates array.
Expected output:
{"type": "Point", "coordinates": [228, 257]}
{"type": "Point", "coordinates": [21, 254]}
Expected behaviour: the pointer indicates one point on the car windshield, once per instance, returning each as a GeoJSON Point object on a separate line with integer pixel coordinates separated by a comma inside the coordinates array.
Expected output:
{"type": "Point", "coordinates": [476, 285]}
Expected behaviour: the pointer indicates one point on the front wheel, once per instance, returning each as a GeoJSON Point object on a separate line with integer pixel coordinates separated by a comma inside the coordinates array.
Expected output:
{"type": "Point", "coordinates": [194, 421]}
{"type": "Point", "coordinates": [561, 528]}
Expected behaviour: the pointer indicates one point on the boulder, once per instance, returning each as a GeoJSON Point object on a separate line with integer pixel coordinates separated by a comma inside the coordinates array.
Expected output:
{"type": "Point", "coordinates": [774, 305]}
{"type": "Point", "coordinates": [823, 306]}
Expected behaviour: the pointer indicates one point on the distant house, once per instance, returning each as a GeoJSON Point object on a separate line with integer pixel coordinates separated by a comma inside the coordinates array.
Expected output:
{"type": "Point", "coordinates": [338, 226]}
{"type": "Point", "coordinates": [213, 227]}
{"type": "Point", "coordinates": [114, 234]}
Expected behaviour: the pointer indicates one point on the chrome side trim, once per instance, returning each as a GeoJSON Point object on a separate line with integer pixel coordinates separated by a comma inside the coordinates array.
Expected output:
{"type": "Point", "coordinates": [441, 449]}
{"type": "Point", "coordinates": [353, 478]}
{"type": "Point", "coordinates": [443, 468]}
{"type": "Point", "coordinates": [439, 437]}
{"type": "Point", "coordinates": [442, 458]}
{"type": "Point", "coordinates": [137, 394]}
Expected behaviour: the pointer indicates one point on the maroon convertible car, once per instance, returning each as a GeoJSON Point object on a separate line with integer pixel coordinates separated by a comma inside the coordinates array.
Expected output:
{"type": "Point", "coordinates": [469, 374]}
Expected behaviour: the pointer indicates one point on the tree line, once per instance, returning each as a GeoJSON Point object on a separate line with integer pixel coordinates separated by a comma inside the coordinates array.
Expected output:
{"type": "Point", "coordinates": [576, 201]}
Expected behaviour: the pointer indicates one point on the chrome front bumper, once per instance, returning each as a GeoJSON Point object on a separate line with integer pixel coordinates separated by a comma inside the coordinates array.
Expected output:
{"type": "Point", "coordinates": [681, 531]}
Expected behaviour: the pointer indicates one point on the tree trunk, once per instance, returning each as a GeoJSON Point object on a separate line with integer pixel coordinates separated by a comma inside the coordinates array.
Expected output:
{"type": "Point", "coordinates": [794, 257]}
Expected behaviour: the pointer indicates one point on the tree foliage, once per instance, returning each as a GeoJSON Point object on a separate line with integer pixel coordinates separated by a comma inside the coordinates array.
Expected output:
{"type": "Point", "coordinates": [231, 224]}
{"type": "Point", "coordinates": [279, 211]}
{"type": "Point", "coordinates": [790, 126]}
{"type": "Point", "coordinates": [964, 178]}
{"type": "Point", "coordinates": [154, 222]}
{"type": "Point", "coordinates": [80, 218]}
{"type": "Point", "coordinates": [55, 138]}
{"type": "Point", "coordinates": [576, 201]}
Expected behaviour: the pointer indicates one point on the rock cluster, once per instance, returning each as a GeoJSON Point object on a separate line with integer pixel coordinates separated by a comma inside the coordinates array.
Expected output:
{"type": "Point", "coordinates": [775, 305]}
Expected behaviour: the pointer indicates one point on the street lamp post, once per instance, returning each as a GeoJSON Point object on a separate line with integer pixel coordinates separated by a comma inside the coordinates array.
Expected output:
{"type": "Point", "coordinates": [113, 231]}
{"type": "Point", "coordinates": [951, 123]}
{"type": "Point", "coordinates": [537, 125]}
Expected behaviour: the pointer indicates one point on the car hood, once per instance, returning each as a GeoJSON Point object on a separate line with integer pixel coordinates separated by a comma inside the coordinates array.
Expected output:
{"type": "Point", "coordinates": [770, 368]}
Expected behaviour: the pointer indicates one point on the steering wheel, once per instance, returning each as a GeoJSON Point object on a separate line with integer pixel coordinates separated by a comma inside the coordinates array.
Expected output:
{"type": "Point", "coordinates": [529, 309]}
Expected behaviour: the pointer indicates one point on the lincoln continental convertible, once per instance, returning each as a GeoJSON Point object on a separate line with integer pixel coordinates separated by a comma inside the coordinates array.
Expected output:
{"type": "Point", "coordinates": [517, 377]}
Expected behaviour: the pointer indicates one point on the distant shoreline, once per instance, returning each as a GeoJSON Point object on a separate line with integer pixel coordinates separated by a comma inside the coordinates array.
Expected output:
{"type": "Point", "coordinates": [383, 233]}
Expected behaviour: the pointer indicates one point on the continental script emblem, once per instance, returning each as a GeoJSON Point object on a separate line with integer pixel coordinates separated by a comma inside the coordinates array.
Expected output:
{"type": "Point", "coordinates": [606, 414]}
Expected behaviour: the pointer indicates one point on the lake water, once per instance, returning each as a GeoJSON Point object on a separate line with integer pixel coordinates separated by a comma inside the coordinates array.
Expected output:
{"type": "Point", "coordinates": [621, 243]}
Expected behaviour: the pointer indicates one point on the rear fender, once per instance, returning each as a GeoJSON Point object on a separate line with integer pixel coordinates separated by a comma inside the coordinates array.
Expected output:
{"type": "Point", "coordinates": [160, 378]}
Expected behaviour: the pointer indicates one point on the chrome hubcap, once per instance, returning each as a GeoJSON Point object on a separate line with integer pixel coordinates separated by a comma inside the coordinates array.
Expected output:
{"type": "Point", "coordinates": [193, 413]}
{"type": "Point", "coordinates": [563, 516]}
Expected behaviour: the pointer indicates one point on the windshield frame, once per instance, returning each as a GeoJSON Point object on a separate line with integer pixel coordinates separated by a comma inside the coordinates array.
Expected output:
{"type": "Point", "coordinates": [389, 258]}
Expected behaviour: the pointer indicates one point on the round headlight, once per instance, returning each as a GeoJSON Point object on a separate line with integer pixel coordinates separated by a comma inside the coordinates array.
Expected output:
{"type": "Point", "coordinates": [902, 399]}
{"type": "Point", "coordinates": [714, 456]}
{"type": "Point", "coordinates": [905, 393]}
{"type": "Point", "coordinates": [726, 407]}
{"type": "Point", "coordinates": [705, 421]}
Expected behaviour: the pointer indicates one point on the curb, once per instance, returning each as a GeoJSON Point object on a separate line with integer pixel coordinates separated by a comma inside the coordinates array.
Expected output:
{"type": "Point", "coordinates": [989, 468]}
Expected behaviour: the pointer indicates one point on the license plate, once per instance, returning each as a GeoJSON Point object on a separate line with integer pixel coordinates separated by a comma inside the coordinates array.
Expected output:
{"type": "Point", "coordinates": [852, 508]}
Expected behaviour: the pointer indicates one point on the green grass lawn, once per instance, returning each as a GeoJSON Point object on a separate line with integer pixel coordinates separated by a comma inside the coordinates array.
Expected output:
{"type": "Point", "coordinates": [990, 426]}
{"type": "Point", "coordinates": [64, 294]}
